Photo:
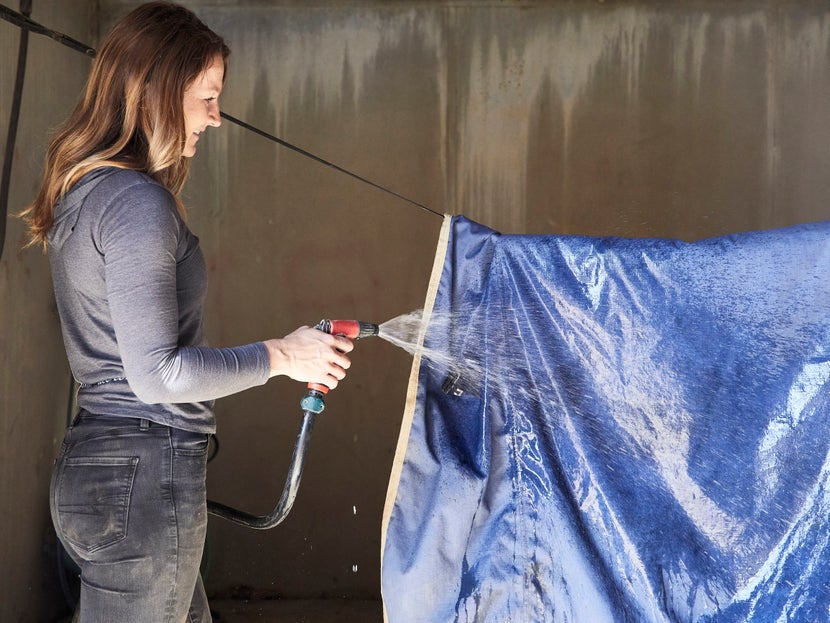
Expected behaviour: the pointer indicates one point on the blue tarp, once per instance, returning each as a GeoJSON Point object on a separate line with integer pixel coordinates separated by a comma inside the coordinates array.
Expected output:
{"type": "Point", "coordinates": [641, 434]}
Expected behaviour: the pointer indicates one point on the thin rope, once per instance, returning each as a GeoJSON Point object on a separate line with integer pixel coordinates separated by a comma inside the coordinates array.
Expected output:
{"type": "Point", "coordinates": [307, 154]}
{"type": "Point", "coordinates": [14, 118]}
{"type": "Point", "coordinates": [25, 23]}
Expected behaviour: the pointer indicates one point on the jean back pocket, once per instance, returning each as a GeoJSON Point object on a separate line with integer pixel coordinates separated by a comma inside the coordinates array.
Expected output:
{"type": "Point", "coordinates": [93, 500]}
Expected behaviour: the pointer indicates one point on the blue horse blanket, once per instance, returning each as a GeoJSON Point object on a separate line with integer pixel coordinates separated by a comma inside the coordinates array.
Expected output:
{"type": "Point", "coordinates": [616, 430]}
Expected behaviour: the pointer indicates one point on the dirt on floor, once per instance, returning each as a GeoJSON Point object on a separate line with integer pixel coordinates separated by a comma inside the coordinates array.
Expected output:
{"type": "Point", "coordinates": [297, 611]}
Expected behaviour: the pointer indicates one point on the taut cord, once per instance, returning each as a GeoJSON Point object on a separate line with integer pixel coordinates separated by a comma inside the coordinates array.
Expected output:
{"type": "Point", "coordinates": [26, 24]}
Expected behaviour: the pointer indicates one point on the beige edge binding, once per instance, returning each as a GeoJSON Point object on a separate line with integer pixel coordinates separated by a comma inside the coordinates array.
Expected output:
{"type": "Point", "coordinates": [412, 389]}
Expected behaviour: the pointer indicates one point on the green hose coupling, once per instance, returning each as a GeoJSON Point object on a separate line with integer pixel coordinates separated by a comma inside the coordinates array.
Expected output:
{"type": "Point", "coordinates": [313, 402]}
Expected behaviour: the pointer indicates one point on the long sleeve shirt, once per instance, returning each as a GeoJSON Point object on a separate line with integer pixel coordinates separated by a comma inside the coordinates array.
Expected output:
{"type": "Point", "coordinates": [130, 283]}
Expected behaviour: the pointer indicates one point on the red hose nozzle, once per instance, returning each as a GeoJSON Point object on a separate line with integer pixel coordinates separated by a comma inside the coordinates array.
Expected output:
{"type": "Point", "coordinates": [352, 329]}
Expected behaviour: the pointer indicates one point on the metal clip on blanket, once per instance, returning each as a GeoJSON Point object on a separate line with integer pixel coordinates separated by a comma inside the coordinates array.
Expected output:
{"type": "Point", "coordinates": [312, 404]}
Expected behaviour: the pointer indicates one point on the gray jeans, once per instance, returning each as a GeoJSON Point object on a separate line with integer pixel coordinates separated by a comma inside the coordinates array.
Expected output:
{"type": "Point", "coordinates": [128, 504]}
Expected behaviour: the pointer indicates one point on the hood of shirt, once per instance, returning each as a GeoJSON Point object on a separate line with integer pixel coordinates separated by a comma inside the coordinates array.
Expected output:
{"type": "Point", "coordinates": [68, 209]}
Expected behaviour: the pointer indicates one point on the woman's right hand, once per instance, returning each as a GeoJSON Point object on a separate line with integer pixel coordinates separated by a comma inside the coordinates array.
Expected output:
{"type": "Point", "coordinates": [311, 356]}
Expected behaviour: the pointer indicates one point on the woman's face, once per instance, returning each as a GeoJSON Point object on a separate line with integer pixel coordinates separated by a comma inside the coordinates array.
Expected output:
{"type": "Point", "coordinates": [201, 104]}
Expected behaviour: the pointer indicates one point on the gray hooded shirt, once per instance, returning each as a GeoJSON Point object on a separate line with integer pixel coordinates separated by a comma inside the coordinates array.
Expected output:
{"type": "Point", "coordinates": [130, 284]}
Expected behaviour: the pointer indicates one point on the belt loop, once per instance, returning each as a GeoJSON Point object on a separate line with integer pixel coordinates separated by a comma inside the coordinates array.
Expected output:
{"type": "Point", "coordinates": [144, 425]}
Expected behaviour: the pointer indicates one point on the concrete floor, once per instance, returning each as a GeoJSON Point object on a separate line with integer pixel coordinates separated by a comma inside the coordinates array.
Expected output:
{"type": "Point", "coordinates": [289, 611]}
{"type": "Point", "coordinates": [297, 611]}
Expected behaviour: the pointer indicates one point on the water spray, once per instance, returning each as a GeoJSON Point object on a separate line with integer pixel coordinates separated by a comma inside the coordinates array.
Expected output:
{"type": "Point", "coordinates": [312, 404]}
{"type": "Point", "coordinates": [461, 376]}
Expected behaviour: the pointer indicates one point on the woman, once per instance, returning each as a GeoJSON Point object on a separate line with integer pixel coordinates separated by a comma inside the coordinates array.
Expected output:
{"type": "Point", "coordinates": [128, 490]}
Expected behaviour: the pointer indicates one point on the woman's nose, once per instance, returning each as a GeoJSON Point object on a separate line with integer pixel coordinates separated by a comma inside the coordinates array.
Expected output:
{"type": "Point", "coordinates": [215, 119]}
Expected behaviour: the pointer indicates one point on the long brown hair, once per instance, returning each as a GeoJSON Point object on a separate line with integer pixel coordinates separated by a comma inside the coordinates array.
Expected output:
{"type": "Point", "coordinates": [130, 114]}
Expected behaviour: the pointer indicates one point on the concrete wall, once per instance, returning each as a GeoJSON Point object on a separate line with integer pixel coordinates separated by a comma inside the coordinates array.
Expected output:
{"type": "Point", "coordinates": [677, 119]}
{"type": "Point", "coordinates": [34, 377]}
